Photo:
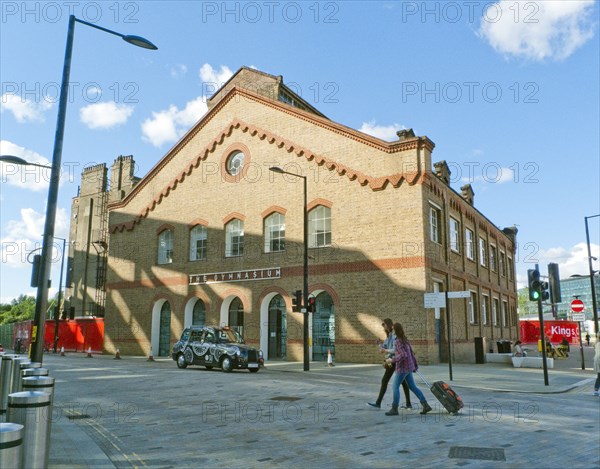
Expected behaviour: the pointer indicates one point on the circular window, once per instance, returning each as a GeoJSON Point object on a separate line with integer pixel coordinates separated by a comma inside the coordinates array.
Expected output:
{"type": "Point", "coordinates": [235, 163]}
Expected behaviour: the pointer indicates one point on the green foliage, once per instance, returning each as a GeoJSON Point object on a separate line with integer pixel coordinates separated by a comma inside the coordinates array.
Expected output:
{"type": "Point", "coordinates": [21, 309]}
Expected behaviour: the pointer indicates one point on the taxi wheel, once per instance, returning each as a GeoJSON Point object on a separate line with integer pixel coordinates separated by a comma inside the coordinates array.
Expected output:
{"type": "Point", "coordinates": [181, 361]}
{"type": "Point", "coordinates": [226, 364]}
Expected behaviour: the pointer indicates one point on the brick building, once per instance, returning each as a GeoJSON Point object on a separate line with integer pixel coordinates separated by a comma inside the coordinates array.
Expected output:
{"type": "Point", "coordinates": [211, 235]}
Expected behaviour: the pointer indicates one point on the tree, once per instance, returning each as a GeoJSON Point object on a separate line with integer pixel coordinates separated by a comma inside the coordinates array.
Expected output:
{"type": "Point", "coordinates": [20, 309]}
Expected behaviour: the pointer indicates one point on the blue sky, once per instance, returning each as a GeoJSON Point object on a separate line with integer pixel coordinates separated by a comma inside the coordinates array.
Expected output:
{"type": "Point", "coordinates": [508, 91]}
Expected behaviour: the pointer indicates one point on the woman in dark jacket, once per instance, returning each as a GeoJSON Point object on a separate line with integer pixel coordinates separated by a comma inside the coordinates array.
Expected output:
{"type": "Point", "coordinates": [406, 363]}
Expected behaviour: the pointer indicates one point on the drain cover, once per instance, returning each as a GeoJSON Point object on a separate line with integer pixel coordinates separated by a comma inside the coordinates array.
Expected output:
{"type": "Point", "coordinates": [472, 452]}
{"type": "Point", "coordinates": [285, 398]}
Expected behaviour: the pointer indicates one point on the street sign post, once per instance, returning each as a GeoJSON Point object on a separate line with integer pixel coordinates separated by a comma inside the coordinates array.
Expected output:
{"type": "Point", "coordinates": [577, 306]}
{"type": "Point", "coordinates": [579, 317]}
{"type": "Point", "coordinates": [434, 300]}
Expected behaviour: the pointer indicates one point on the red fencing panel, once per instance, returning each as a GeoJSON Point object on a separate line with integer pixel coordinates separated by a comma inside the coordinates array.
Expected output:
{"type": "Point", "coordinates": [77, 335]}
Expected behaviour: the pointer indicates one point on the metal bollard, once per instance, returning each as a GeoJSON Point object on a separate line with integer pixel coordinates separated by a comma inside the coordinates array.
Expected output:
{"type": "Point", "coordinates": [32, 410]}
{"type": "Point", "coordinates": [5, 380]}
{"type": "Point", "coordinates": [27, 372]}
{"type": "Point", "coordinates": [11, 445]}
{"type": "Point", "coordinates": [18, 365]}
{"type": "Point", "coordinates": [40, 383]}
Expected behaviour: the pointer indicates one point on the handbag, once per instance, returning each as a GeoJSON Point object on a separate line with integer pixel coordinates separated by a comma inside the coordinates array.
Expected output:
{"type": "Point", "coordinates": [388, 365]}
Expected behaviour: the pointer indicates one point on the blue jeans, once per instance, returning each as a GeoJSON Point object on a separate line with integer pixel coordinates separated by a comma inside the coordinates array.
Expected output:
{"type": "Point", "coordinates": [398, 379]}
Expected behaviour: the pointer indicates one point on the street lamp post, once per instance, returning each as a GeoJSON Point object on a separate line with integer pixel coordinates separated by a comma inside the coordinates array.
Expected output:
{"type": "Point", "coordinates": [37, 336]}
{"type": "Point", "coordinates": [593, 286]}
{"type": "Point", "coordinates": [57, 313]}
{"type": "Point", "coordinates": [304, 308]}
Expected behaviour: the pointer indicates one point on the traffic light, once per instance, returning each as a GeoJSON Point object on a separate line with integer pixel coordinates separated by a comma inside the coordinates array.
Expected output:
{"type": "Point", "coordinates": [544, 292]}
{"type": "Point", "coordinates": [554, 278]}
{"type": "Point", "coordinates": [297, 301]}
{"type": "Point", "coordinates": [533, 282]}
{"type": "Point", "coordinates": [312, 304]}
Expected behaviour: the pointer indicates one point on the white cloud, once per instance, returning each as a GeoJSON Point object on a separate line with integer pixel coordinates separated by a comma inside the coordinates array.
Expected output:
{"type": "Point", "coordinates": [210, 75]}
{"type": "Point", "coordinates": [538, 30]}
{"type": "Point", "coordinates": [105, 115]}
{"type": "Point", "coordinates": [381, 131]}
{"type": "Point", "coordinates": [24, 235]}
{"type": "Point", "coordinates": [22, 109]}
{"type": "Point", "coordinates": [170, 124]}
{"type": "Point", "coordinates": [24, 177]}
{"type": "Point", "coordinates": [488, 173]}
{"type": "Point", "coordinates": [178, 70]}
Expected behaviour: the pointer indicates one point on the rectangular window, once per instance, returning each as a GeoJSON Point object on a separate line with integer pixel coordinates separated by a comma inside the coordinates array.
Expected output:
{"type": "Point", "coordinates": [511, 269]}
{"type": "Point", "coordinates": [495, 304]}
{"type": "Point", "coordinates": [493, 261]}
{"type": "Point", "coordinates": [482, 252]}
{"type": "Point", "coordinates": [502, 264]}
{"type": "Point", "coordinates": [504, 313]}
{"type": "Point", "coordinates": [484, 309]}
{"type": "Point", "coordinates": [435, 215]}
{"type": "Point", "coordinates": [469, 244]}
{"type": "Point", "coordinates": [473, 308]}
{"type": "Point", "coordinates": [454, 235]}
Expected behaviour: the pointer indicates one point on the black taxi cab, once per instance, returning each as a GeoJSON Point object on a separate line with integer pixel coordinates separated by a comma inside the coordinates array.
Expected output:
{"type": "Point", "coordinates": [215, 347]}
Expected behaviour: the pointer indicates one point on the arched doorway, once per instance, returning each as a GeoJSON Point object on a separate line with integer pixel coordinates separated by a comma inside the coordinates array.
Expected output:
{"type": "Point", "coordinates": [199, 313]}
{"type": "Point", "coordinates": [277, 333]}
{"type": "Point", "coordinates": [323, 327]}
{"type": "Point", "coordinates": [236, 315]}
{"type": "Point", "coordinates": [164, 330]}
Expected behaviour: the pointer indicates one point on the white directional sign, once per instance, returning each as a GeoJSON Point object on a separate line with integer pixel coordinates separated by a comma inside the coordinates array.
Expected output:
{"type": "Point", "coordinates": [434, 300]}
{"type": "Point", "coordinates": [459, 294]}
{"type": "Point", "coordinates": [578, 317]}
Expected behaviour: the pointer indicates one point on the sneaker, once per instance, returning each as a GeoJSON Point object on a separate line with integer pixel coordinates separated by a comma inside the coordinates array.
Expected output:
{"type": "Point", "coordinates": [374, 404]}
{"type": "Point", "coordinates": [409, 407]}
{"type": "Point", "coordinates": [392, 411]}
{"type": "Point", "coordinates": [596, 393]}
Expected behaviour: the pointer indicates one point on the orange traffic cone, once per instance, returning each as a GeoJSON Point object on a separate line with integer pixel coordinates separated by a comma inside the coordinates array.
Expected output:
{"type": "Point", "coordinates": [151, 356]}
{"type": "Point", "coordinates": [62, 351]}
{"type": "Point", "coordinates": [117, 355]}
{"type": "Point", "coordinates": [89, 352]}
{"type": "Point", "coordinates": [329, 358]}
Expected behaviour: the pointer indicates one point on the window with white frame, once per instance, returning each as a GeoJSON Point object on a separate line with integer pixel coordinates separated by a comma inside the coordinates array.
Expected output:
{"type": "Point", "coordinates": [504, 314]}
{"type": "Point", "coordinates": [198, 237]}
{"type": "Point", "coordinates": [484, 309]}
{"type": "Point", "coordinates": [473, 308]}
{"type": "Point", "coordinates": [469, 248]}
{"type": "Point", "coordinates": [319, 227]}
{"type": "Point", "coordinates": [275, 233]}
{"type": "Point", "coordinates": [493, 258]}
{"type": "Point", "coordinates": [454, 235]}
{"type": "Point", "coordinates": [435, 216]}
{"type": "Point", "coordinates": [165, 247]}
{"type": "Point", "coordinates": [495, 304]}
{"type": "Point", "coordinates": [234, 238]}
{"type": "Point", "coordinates": [482, 252]}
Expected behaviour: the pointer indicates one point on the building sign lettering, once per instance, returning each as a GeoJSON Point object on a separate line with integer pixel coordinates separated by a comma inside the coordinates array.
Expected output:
{"type": "Point", "coordinates": [236, 276]}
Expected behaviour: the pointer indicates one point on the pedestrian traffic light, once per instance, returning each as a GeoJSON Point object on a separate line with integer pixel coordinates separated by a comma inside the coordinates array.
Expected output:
{"type": "Point", "coordinates": [297, 301]}
{"type": "Point", "coordinates": [312, 304]}
{"type": "Point", "coordinates": [544, 292]}
{"type": "Point", "coordinates": [533, 282]}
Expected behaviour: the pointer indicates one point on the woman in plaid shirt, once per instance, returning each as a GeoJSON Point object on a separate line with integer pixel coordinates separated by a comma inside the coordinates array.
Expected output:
{"type": "Point", "coordinates": [406, 363]}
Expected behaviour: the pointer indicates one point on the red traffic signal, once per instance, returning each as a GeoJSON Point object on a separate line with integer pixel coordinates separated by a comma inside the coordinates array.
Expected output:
{"type": "Point", "coordinates": [312, 304]}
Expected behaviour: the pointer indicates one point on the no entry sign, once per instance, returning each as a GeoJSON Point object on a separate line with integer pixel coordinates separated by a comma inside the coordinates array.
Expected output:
{"type": "Point", "coordinates": [577, 306]}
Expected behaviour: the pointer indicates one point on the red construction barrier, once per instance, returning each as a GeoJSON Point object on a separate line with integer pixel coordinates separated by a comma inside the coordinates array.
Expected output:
{"type": "Point", "coordinates": [555, 330]}
{"type": "Point", "coordinates": [76, 335]}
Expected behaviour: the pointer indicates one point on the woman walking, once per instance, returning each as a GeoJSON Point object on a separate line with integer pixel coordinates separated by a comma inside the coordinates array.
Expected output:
{"type": "Point", "coordinates": [388, 348]}
{"type": "Point", "coordinates": [597, 368]}
{"type": "Point", "coordinates": [406, 363]}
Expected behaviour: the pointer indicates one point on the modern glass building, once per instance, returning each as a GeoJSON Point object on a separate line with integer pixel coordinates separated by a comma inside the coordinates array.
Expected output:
{"type": "Point", "coordinates": [578, 286]}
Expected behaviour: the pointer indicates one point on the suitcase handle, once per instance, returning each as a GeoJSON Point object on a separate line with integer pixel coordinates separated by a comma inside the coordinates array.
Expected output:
{"type": "Point", "coordinates": [423, 378]}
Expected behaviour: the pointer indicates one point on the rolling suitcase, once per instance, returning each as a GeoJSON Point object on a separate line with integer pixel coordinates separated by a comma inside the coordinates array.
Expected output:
{"type": "Point", "coordinates": [445, 394]}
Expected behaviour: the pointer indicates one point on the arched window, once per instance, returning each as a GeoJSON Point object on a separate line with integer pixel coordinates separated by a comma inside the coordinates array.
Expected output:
{"type": "Point", "coordinates": [198, 236]}
{"type": "Point", "coordinates": [164, 332]}
{"type": "Point", "coordinates": [236, 315]}
{"type": "Point", "coordinates": [275, 232]}
{"type": "Point", "coordinates": [319, 227]}
{"type": "Point", "coordinates": [234, 241]}
{"type": "Point", "coordinates": [165, 247]}
{"type": "Point", "coordinates": [199, 314]}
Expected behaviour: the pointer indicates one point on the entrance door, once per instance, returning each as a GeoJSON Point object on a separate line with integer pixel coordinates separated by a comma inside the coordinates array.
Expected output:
{"type": "Point", "coordinates": [164, 334]}
{"type": "Point", "coordinates": [323, 327]}
{"type": "Point", "coordinates": [277, 328]}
